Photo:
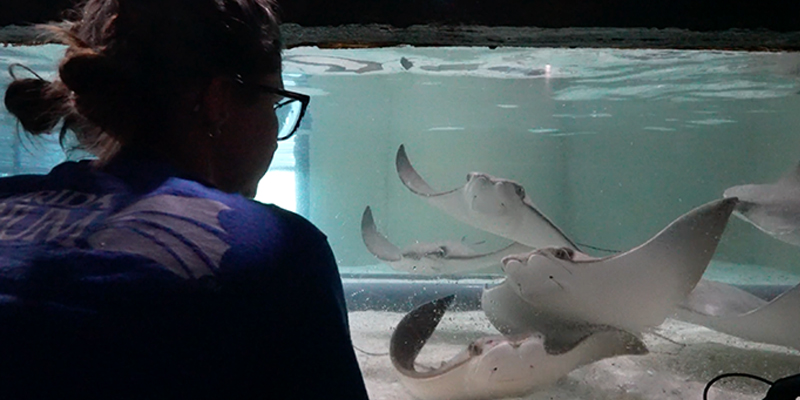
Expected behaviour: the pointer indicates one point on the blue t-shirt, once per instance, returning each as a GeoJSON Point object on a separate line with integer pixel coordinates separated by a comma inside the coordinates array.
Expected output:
{"type": "Point", "coordinates": [135, 282]}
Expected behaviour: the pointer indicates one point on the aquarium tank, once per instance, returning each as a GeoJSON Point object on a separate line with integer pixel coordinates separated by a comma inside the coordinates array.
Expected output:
{"type": "Point", "coordinates": [590, 183]}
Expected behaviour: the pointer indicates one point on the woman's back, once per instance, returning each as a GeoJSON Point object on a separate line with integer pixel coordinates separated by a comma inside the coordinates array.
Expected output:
{"type": "Point", "coordinates": [148, 273]}
{"type": "Point", "coordinates": [135, 282]}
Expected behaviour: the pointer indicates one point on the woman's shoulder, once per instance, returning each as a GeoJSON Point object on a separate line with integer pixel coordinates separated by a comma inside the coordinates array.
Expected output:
{"type": "Point", "coordinates": [235, 208]}
{"type": "Point", "coordinates": [246, 225]}
{"type": "Point", "coordinates": [22, 183]}
{"type": "Point", "coordinates": [172, 211]}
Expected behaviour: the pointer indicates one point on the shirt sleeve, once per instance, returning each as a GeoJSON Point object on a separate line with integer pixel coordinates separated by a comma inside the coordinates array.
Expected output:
{"type": "Point", "coordinates": [325, 353]}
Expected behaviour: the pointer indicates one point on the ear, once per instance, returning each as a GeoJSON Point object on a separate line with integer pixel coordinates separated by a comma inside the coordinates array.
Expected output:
{"type": "Point", "coordinates": [217, 100]}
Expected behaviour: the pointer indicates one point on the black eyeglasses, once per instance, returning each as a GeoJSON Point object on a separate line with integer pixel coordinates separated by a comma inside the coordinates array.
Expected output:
{"type": "Point", "coordinates": [290, 108]}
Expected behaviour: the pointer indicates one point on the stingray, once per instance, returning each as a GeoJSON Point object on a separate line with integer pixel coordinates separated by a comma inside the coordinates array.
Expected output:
{"type": "Point", "coordinates": [710, 300]}
{"type": "Point", "coordinates": [495, 205]}
{"type": "Point", "coordinates": [511, 315]}
{"type": "Point", "coordinates": [733, 311]}
{"type": "Point", "coordinates": [713, 298]}
{"type": "Point", "coordinates": [773, 208]}
{"type": "Point", "coordinates": [634, 290]}
{"type": "Point", "coordinates": [716, 305]}
{"type": "Point", "coordinates": [495, 367]}
{"type": "Point", "coordinates": [437, 258]}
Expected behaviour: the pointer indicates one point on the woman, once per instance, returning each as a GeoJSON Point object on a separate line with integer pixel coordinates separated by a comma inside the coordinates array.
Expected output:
{"type": "Point", "coordinates": [148, 273]}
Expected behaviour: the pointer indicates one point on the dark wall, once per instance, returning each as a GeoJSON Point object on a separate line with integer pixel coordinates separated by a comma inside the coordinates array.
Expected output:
{"type": "Point", "coordinates": [24, 12]}
{"type": "Point", "coordinates": [689, 14]}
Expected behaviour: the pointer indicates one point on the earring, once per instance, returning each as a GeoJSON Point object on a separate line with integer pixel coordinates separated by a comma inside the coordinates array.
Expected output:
{"type": "Point", "coordinates": [214, 132]}
{"type": "Point", "coordinates": [217, 131]}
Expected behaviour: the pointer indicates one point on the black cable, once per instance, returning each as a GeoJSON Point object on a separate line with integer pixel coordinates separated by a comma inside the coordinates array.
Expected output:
{"type": "Point", "coordinates": [740, 374]}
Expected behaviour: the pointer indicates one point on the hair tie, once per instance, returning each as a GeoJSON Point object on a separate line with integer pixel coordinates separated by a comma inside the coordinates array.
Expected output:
{"type": "Point", "coordinates": [25, 67]}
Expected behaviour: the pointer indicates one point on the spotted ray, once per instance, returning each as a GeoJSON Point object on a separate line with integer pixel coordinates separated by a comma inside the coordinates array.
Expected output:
{"type": "Point", "coordinates": [495, 367]}
{"type": "Point", "coordinates": [635, 290]}
{"type": "Point", "coordinates": [495, 205]}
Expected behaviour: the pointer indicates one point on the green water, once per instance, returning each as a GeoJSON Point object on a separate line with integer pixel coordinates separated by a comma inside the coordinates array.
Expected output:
{"type": "Point", "coordinates": [612, 145]}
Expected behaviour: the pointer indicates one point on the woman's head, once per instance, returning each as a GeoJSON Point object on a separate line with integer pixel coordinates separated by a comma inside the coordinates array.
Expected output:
{"type": "Point", "coordinates": [135, 71]}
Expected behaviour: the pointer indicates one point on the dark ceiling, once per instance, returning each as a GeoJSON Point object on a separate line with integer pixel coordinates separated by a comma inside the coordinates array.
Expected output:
{"type": "Point", "coordinates": [700, 15]}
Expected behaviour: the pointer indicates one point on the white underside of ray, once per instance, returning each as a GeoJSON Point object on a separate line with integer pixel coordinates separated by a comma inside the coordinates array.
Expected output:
{"type": "Point", "coordinates": [436, 258]}
{"type": "Point", "coordinates": [514, 369]}
{"type": "Point", "coordinates": [508, 366]}
{"type": "Point", "coordinates": [635, 290]}
{"type": "Point", "coordinates": [485, 203]}
{"type": "Point", "coordinates": [716, 305]}
{"type": "Point", "coordinates": [774, 322]}
{"type": "Point", "coordinates": [511, 315]}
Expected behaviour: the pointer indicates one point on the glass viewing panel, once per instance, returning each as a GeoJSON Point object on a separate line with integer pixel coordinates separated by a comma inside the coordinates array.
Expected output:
{"type": "Point", "coordinates": [609, 147]}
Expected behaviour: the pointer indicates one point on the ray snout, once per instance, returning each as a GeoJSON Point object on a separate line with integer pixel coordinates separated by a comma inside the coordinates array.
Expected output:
{"type": "Point", "coordinates": [479, 175]}
{"type": "Point", "coordinates": [511, 264]}
{"type": "Point", "coordinates": [520, 258]}
{"type": "Point", "coordinates": [515, 261]}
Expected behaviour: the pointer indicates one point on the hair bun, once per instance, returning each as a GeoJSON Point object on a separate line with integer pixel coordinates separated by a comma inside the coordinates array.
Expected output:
{"type": "Point", "coordinates": [37, 104]}
{"type": "Point", "coordinates": [88, 72]}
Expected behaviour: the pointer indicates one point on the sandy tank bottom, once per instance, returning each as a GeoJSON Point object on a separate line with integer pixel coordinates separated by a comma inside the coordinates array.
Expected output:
{"type": "Point", "coordinates": [682, 359]}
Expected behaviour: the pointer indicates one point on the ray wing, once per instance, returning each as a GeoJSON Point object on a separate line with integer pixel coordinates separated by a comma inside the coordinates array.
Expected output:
{"type": "Point", "coordinates": [532, 228]}
{"type": "Point", "coordinates": [717, 299]}
{"type": "Point", "coordinates": [774, 322]}
{"type": "Point", "coordinates": [539, 231]}
{"type": "Point", "coordinates": [411, 334]}
{"type": "Point", "coordinates": [417, 260]}
{"type": "Point", "coordinates": [660, 273]}
{"type": "Point", "coordinates": [773, 208]}
{"type": "Point", "coordinates": [376, 243]}
{"type": "Point", "coordinates": [635, 290]}
{"type": "Point", "coordinates": [451, 202]}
